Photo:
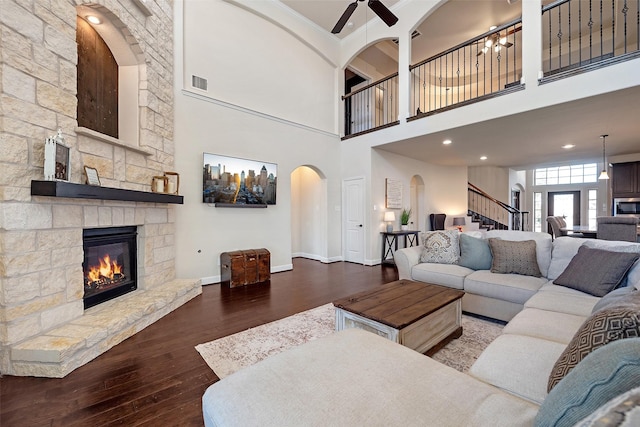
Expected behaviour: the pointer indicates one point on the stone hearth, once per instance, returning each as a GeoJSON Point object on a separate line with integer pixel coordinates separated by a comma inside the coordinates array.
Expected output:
{"type": "Point", "coordinates": [59, 351]}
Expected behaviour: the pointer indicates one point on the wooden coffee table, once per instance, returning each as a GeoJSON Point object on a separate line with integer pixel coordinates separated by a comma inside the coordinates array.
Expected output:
{"type": "Point", "coordinates": [417, 315]}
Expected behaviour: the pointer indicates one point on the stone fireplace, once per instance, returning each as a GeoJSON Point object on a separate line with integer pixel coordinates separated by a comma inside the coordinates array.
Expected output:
{"type": "Point", "coordinates": [45, 329]}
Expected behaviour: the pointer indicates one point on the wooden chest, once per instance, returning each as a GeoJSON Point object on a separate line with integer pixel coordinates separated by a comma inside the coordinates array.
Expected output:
{"type": "Point", "coordinates": [246, 267]}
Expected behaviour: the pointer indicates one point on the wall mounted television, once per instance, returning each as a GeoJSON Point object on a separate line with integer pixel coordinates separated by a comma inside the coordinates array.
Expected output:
{"type": "Point", "coordinates": [235, 182]}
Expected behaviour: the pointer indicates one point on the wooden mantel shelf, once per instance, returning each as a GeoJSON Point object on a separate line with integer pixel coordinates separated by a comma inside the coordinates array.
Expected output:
{"type": "Point", "coordinates": [82, 191]}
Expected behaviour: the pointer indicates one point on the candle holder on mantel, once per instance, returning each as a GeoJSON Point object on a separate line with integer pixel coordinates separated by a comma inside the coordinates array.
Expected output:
{"type": "Point", "coordinates": [159, 184]}
{"type": "Point", "coordinates": [173, 182]}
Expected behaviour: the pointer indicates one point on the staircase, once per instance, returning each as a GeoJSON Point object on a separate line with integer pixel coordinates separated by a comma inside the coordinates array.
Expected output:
{"type": "Point", "coordinates": [492, 214]}
{"type": "Point", "coordinates": [485, 223]}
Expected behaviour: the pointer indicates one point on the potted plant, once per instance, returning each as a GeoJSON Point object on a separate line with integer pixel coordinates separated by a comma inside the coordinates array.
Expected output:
{"type": "Point", "coordinates": [404, 218]}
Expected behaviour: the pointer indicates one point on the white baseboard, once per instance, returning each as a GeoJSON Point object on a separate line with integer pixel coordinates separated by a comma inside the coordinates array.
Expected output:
{"type": "Point", "coordinates": [210, 280]}
{"type": "Point", "coordinates": [285, 267]}
{"type": "Point", "coordinates": [314, 257]}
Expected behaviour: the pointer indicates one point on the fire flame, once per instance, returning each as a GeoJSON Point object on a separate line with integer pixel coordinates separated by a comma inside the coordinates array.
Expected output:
{"type": "Point", "coordinates": [106, 269]}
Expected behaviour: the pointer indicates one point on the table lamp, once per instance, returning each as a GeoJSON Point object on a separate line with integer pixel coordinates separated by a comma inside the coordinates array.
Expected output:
{"type": "Point", "coordinates": [389, 217]}
{"type": "Point", "coordinates": [459, 222]}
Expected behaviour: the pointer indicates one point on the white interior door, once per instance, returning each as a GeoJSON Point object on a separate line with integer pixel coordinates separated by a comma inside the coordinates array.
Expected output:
{"type": "Point", "coordinates": [354, 220]}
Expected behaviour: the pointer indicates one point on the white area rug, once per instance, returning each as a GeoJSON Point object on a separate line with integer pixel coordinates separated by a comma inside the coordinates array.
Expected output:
{"type": "Point", "coordinates": [231, 353]}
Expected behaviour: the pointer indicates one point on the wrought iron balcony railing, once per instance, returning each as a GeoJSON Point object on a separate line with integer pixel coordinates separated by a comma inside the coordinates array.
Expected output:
{"type": "Point", "coordinates": [579, 35]}
{"type": "Point", "coordinates": [372, 107]}
{"type": "Point", "coordinates": [486, 66]}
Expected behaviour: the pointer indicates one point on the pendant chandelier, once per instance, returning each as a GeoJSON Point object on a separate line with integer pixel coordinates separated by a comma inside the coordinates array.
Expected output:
{"type": "Point", "coordinates": [603, 174]}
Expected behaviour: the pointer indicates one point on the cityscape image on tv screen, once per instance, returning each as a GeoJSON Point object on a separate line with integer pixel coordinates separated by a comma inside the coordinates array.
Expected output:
{"type": "Point", "coordinates": [234, 181]}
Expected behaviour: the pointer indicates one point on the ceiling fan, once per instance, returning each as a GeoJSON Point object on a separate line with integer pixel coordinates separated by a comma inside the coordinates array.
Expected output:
{"type": "Point", "coordinates": [496, 41]}
{"type": "Point", "coordinates": [378, 8]}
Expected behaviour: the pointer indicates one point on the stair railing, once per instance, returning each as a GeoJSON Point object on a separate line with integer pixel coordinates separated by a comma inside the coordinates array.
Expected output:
{"type": "Point", "coordinates": [494, 214]}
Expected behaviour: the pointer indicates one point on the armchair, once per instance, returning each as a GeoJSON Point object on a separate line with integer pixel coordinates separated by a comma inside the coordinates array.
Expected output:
{"type": "Point", "coordinates": [437, 221]}
{"type": "Point", "coordinates": [557, 223]}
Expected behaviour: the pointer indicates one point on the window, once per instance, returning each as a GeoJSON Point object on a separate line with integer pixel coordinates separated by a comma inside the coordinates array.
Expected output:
{"type": "Point", "coordinates": [537, 212]}
{"type": "Point", "coordinates": [592, 208]}
{"type": "Point", "coordinates": [575, 174]}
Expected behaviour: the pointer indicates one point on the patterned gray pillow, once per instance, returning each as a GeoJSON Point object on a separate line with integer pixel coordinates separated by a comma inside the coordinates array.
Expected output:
{"type": "Point", "coordinates": [514, 257]}
{"type": "Point", "coordinates": [441, 247]}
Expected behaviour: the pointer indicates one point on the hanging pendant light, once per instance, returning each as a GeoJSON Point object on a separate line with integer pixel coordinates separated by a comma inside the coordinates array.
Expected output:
{"type": "Point", "coordinates": [603, 174]}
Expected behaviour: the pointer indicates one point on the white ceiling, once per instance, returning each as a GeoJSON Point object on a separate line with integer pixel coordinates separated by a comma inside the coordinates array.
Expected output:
{"type": "Point", "coordinates": [518, 141]}
{"type": "Point", "coordinates": [536, 137]}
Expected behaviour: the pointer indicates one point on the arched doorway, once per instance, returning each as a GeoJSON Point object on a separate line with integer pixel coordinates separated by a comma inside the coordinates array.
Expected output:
{"type": "Point", "coordinates": [309, 213]}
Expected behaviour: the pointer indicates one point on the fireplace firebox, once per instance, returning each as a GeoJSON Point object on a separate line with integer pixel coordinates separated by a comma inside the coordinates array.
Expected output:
{"type": "Point", "coordinates": [109, 265]}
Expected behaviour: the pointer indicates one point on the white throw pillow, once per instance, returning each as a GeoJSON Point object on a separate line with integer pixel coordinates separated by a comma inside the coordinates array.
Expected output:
{"type": "Point", "coordinates": [564, 249]}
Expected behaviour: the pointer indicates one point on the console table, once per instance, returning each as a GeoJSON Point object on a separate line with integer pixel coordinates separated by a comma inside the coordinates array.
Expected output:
{"type": "Point", "coordinates": [390, 243]}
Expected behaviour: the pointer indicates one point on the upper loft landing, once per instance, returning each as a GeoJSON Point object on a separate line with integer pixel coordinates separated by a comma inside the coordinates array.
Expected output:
{"type": "Point", "coordinates": [571, 39]}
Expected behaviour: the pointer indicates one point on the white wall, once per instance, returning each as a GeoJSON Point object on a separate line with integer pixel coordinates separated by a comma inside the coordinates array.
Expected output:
{"type": "Point", "coordinates": [206, 231]}
{"type": "Point", "coordinates": [250, 62]}
{"type": "Point", "coordinates": [260, 105]}
{"type": "Point", "coordinates": [492, 180]}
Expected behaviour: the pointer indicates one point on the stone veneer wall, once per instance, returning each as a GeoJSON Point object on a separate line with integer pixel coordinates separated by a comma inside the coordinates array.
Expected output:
{"type": "Point", "coordinates": [42, 321]}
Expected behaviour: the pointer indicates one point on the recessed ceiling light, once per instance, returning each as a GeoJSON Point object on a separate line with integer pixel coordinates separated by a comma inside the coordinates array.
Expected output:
{"type": "Point", "coordinates": [446, 142]}
{"type": "Point", "coordinates": [94, 19]}
{"type": "Point", "coordinates": [568, 146]}
{"type": "Point", "coordinates": [483, 157]}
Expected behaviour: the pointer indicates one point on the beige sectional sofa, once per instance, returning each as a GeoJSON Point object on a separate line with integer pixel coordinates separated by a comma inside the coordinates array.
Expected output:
{"type": "Point", "coordinates": [354, 378]}
{"type": "Point", "coordinates": [499, 296]}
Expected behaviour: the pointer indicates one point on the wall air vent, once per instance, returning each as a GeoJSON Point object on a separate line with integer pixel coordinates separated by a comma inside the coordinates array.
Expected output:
{"type": "Point", "coordinates": [415, 34]}
{"type": "Point", "coordinates": [199, 82]}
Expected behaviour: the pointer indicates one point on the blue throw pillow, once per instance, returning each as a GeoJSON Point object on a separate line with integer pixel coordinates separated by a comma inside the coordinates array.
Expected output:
{"type": "Point", "coordinates": [614, 297]}
{"type": "Point", "coordinates": [605, 373]}
{"type": "Point", "coordinates": [474, 253]}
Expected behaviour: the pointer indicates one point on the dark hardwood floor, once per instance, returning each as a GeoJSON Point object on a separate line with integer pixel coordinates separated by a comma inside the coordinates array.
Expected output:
{"type": "Point", "coordinates": [156, 377]}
